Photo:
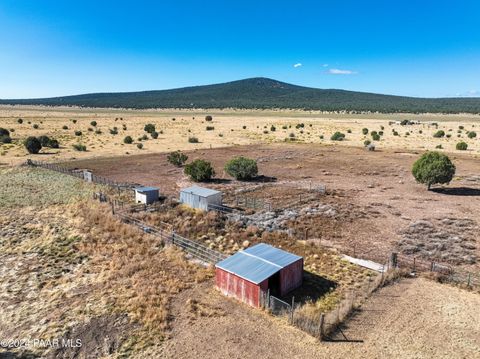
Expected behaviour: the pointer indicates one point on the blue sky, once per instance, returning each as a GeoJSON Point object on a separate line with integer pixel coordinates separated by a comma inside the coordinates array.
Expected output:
{"type": "Point", "coordinates": [416, 48]}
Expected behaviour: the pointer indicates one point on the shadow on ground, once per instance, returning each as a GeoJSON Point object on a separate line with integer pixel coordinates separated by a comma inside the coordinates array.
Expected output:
{"type": "Point", "coordinates": [458, 191]}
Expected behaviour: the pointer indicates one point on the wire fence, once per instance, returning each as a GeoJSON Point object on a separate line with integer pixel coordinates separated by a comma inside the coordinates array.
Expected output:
{"type": "Point", "coordinates": [82, 174]}
{"type": "Point", "coordinates": [253, 203]}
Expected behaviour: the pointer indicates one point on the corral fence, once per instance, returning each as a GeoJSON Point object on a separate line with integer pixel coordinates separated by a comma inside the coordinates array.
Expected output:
{"type": "Point", "coordinates": [82, 174]}
{"type": "Point", "coordinates": [276, 306]}
{"type": "Point", "coordinates": [166, 233]}
{"type": "Point", "coordinates": [220, 208]}
{"type": "Point", "coordinates": [324, 325]}
{"type": "Point", "coordinates": [253, 203]}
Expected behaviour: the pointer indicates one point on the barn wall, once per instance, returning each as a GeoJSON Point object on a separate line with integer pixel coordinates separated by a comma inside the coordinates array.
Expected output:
{"type": "Point", "coordinates": [291, 277]}
{"type": "Point", "coordinates": [234, 286]}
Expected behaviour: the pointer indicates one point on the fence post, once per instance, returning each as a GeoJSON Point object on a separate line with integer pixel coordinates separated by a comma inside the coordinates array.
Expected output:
{"type": "Point", "coordinates": [293, 306]}
{"type": "Point", "coordinates": [322, 321]}
{"type": "Point", "coordinates": [394, 260]}
{"type": "Point", "coordinates": [414, 265]}
{"type": "Point", "coordinates": [113, 208]}
{"type": "Point", "coordinates": [468, 279]}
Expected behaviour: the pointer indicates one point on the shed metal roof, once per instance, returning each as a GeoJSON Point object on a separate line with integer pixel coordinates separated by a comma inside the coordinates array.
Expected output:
{"type": "Point", "coordinates": [200, 191]}
{"type": "Point", "coordinates": [257, 263]}
{"type": "Point", "coordinates": [146, 189]}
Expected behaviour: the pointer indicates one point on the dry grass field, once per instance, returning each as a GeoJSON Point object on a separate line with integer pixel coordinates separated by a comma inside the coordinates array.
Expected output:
{"type": "Point", "coordinates": [230, 128]}
{"type": "Point", "coordinates": [70, 269]}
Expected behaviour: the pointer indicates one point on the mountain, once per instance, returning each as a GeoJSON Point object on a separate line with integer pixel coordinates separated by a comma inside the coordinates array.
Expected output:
{"type": "Point", "coordinates": [260, 93]}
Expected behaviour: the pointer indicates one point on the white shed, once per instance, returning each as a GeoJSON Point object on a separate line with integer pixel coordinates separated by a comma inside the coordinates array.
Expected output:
{"type": "Point", "coordinates": [87, 175]}
{"type": "Point", "coordinates": [146, 195]}
{"type": "Point", "coordinates": [200, 197]}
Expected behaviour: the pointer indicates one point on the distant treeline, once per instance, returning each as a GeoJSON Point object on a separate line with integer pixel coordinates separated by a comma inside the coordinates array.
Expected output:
{"type": "Point", "coordinates": [261, 93]}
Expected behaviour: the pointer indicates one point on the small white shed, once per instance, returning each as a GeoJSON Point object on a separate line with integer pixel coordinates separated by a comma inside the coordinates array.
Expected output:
{"type": "Point", "coordinates": [87, 175]}
{"type": "Point", "coordinates": [146, 195]}
{"type": "Point", "coordinates": [200, 197]}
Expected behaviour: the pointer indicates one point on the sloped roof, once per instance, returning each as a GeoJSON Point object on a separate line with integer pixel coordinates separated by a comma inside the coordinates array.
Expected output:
{"type": "Point", "coordinates": [146, 189]}
{"type": "Point", "coordinates": [257, 263]}
{"type": "Point", "coordinates": [200, 191]}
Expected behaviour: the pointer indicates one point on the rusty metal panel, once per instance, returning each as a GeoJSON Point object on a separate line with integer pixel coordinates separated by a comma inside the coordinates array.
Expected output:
{"type": "Point", "coordinates": [291, 277]}
{"type": "Point", "coordinates": [233, 286]}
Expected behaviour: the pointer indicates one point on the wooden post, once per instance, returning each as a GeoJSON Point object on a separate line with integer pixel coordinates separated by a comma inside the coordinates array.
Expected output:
{"type": "Point", "coordinates": [113, 209]}
{"type": "Point", "coordinates": [322, 321]}
{"type": "Point", "coordinates": [293, 306]}
{"type": "Point", "coordinates": [414, 265]}
{"type": "Point", "coordinates": [394, 260]}
{"type": "Point", "coordinates": [468, 279]}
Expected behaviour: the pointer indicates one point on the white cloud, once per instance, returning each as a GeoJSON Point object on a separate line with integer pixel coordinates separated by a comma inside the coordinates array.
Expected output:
{"type": "Point", "coordinates": [297, 65]}
{"type": "Point", "coordinates": [325, 65]}
{"type": "Point", "coordinates": [341, 72]}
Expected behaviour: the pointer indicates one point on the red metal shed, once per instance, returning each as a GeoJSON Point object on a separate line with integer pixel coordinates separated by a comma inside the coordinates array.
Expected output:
{"type": "Point", "coordinates": [259, 268]}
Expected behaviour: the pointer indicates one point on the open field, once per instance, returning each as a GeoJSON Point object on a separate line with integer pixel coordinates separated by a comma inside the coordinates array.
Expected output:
{"type": "Point", "coordinates": [373, 205]}
{"type": "Point", "coordinates": [228, 130]}
{"type": "Point", "coordinates": [71, 270]}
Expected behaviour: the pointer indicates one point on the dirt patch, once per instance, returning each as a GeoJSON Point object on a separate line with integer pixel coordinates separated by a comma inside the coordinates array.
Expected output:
{"type": "Point", "coordinates": [101, 336]}
{"type": "Point", "coordinates": [450, 240]}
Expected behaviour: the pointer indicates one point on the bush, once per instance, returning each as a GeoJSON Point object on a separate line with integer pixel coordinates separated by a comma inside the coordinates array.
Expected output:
{"type": "Point", "coordinates": [349, 131]}
{"type": "Point", "coordinates": [80, 147]}
{"type": "Point", "coordinates": [177, 158]}
{"type": "Point", "coordinates": [367, 142]}
{"type": "Point", "coordinates": [20, 121]}
{"type": "Point", "coordinates": [199, 170]}
{"type": "Point", "coordinates": [291, 135]}
{"type": "Point", "coordinates": [284, 127]}
{"type": "Point", "coordinates": [98, 132]}
{"type": "Point", "coordinates": [149, 127]}
{"type": "Point", "coordinates": [33, 145]}
{"type": "Point", "coordinates": [145, 137]}
{"type": "Point", "coordinates": [439, 147]}
{"type": "Point", "coordinates": [128, 140]}
{"type": "Point", "coordinates": [65, 127]}
{"type": "Point", "coordinates": [45, 141]}
{"type": "Point", "coordinates": [439, 134]}
{"type": "Point", "coordinates": [154, 134]}
{"type": "Point", "coordinates": [373, 133]}
{"type": "Point", "coordinates": [376, 137]}
{"type": "Point", "coordinates": [299, 125]}
{"type": "Point", "coordinates": [210, 128]}
{"type": "Point", "coordinates": [93, 123]}
{"type": "Point", "coordinates": [193, 140]}
{"type": "Point", "coordinates": [114, 131]}
{"type": "Point", "coordinates": [139, 146]}
{"type": "Point", "coordinates": [244, 127]}
{"type": "Point", "coordinates": [432, 168]}
{"type": "Point", "coordinates": [5, 139]}
{"type": "Point", "coordinates": [338, 136]}
{"type": "Point", "coordinates": [461, 146]}
{"type": "Point", "coordinates": [35, 126]}
{"type": "Point", "coordinates": [365, 131]}
{"type": "Point", "coordinates": [78, 133]}
{"type": "Point", "coordinates": [74, 121]}
{"type": "Point", "coordinates": [273, 128]}
{"type": "Point", "coordinates": [4, 132]}
{"type": "Point", "coordinates": [208, 118]}
{"type": "Point", "coordinates": [461, 127]}
{"type": "Point", "coordinates": [242, 168]}
{"type": "Point", "coordinates": [472, 134]}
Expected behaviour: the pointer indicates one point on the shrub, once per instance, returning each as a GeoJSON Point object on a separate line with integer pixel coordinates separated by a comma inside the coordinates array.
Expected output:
{"type": "Point", "coordinates": [210, 128]}
{"type": "Point", "coordinates": [98, 132]}
{"type": "Point", "coordinates": [461, 127]}
{"type": "Point", "coordinates": [154, 134]}
{"type": "Point", "coordinates": [149, 127]}
{"type": "Point", "coordinates": [349, 131]}
{"type": "Point", "coordinates": [44, 140]}
{"type": "Point", "coordinates": [145, 137]}
{"type": "Point", "coordinates": [177, 158]}
{"type": "Point", "coordinates": [462, 146]}
{"type": "Point", "coordinates": [114, 131]}
{"type": "Point", "coordinates": [284, 127]}
{"type": "Point", "coordinates": [373, 133]}
{"type": "Point", "coordinates": [93, 123]}
{"type": "Point", "coordinates": [242, 168]}
{"type": "Point", "coordinates": [265, 132]}
{"type": "Point", "coordinates": [244, 127]}
{"type": "Point", "coordinates": [432, 168]}
{"type": "Point", "coordinates": [439, 147]}
{"type": "Point", "coordinates": [439, 134]}
{"type": "Point", "coordinates": [80, 147]}
{"type": "Point", "coordinates": [4, 132]}
{"type": "Point", "coordinates": [395, 133]}
{"type": "Point", "coordinates": [74, 121]}
{"type": "Point", "coordinates": [449, 135]}
{"type": "Point", "coordinates": [273, 128]}
{"type": "Point", "coordinates": [20, 121]}
{"type": "Point", "coordinates": [322, 137]}
{"type": "Point", "coordinates": [291, 135]}
{"type": "Point", "coordinates": [33, 145]}
{"type": "Point", "coordinates": [65, 127]}
{"type": "Point", "coordinates": [199, 170]}
{"type": "Point", "coordinates": [78, 133]}
{"type": "Point", "coordinates": [365, 131]}
{"type": "Point", "coordinates": [472, 134]}
{"type": "Point", "coordinates": [299, 125]}
{"type": "Point", "coordinates": [338, 136]}
{"type": "Point", "coordinates": [208, 118]}
{"type": "Point", "coordinates": [90, 129]}
{"type": "Point", "coordinates": [35, 126]}
{"type": "Point", "coordinates": [128, 140]}
{"type": "Point", "coordinates": [193, 140]}
{"type": "Point", "coordinates": [5, 139]}
{"type": "Point", "coordinates": [366, 142]}
{"type": "Point", "coordinates": [376, 137]}
{"type": "Point", "coordinates": [139, 146]}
